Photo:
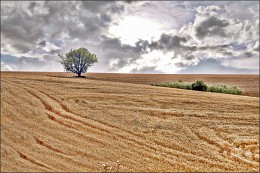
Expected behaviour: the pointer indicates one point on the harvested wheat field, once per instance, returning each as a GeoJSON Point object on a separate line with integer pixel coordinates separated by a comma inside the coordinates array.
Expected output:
{"type": "Point", "coordinates": [249, 83]}
{"type": "Point", "coordinates": [51, 123]}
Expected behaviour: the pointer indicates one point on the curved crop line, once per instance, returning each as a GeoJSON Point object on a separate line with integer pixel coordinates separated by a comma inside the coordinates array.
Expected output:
{"type": "Point", "coordinates": [50, 108]}
{"type": "Point", "coordinates": [232, 156]}
{"type": "Point", "coordinates": [69, 111]}
{"type": "Point", "coordinates": [32, 160]}
{"type": "Point", "coordinates": [136, 141]}
{"type": "Point", "coordinates": [178, 148]}
{"type": "Point", "coordinates": [68, 158]}
{"type": "Point", "coordinates": [40, 142]}
{"type": "Point", "coordinates": [66, 125]}
{"type": "Point", "coordinates": [141, 144]}
{"type": "Point", "coordinates": [200, 159]}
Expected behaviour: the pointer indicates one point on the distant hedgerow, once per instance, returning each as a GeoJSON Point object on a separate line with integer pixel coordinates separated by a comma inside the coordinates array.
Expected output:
{"type": "Point", "coordinates": [178, 84]}
{"type": "Point", "coordinates": [201, 86]}
{"type": "Point", "coordinates": [217, 88]}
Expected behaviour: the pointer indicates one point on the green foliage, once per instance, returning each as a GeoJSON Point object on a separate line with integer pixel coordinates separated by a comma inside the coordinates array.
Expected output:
{"type": "Point", "coordinates": [78, 61]}
{"type": "Point", "coordinates": [180, 85]}
{"type": "Point", "coordinates": [217, 88]}
{"type": "Point", "coordinates": [199, 86]}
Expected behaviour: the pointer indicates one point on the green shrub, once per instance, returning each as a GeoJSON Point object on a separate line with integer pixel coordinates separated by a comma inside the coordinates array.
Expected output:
{"type": "Point", "coordinates": [199, 86]}
{"type": "Point", "coordinates": [178, 84]}
{"type": "Point", "coordinates": [217, 88]}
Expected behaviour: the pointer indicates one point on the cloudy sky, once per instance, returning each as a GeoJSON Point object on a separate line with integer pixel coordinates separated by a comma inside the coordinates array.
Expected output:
{"type": "Point", "coordinates": [133, 37]}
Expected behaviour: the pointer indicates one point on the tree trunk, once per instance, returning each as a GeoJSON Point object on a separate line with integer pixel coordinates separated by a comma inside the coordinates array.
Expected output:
{"type": "Point", "coordinates": [79, 74]}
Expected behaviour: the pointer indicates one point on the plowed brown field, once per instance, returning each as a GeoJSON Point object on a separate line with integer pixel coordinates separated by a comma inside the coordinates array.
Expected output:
{"type": "Point", "coordinates": [55, 122]}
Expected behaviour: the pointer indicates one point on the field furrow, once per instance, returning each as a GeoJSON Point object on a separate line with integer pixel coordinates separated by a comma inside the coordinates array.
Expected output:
{"type": "Point", "coordinates": [55, 123]}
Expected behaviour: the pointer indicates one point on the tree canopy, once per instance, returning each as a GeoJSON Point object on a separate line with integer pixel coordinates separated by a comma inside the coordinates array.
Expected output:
{"type": "Point", "coordinates": [78, 61]}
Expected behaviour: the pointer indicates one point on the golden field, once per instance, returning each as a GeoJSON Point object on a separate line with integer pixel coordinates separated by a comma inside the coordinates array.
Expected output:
{"type": "Point", "coordinates": [53, 122]}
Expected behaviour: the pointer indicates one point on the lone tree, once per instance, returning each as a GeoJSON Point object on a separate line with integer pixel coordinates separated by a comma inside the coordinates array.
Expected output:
{"type": "Point", "coordinates": [78, 61]}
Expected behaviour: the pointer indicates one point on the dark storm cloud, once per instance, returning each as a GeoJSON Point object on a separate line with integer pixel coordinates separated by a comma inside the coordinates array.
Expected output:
{"type": "Point", "coordinates": [32, 6]}
{"type": "Point", "coordinates": [168, 42]}
{"type": "Point", "coordinates": [113, 49]}
{"type": "Point", "coordinates": [114, 43]}
{"type": "Point", "coordinates": [49, 20]}
{"type": "Point", "coordinates": [142, 45]}
{"type": "Point", "coordinates": [95, 6]}
{"type": "Point", "coordinates": [65, 18]}
{"type": "Point", "coordinates": [23, 30]}
{"type": "Point", "coordinates": [189, 57]}
{"type": "Point", "coordinates": [20, 30]}
{"type": "Point", "coordinates": [97, 21]}
{"type": "Point", "coordinates": [210, 27]}
{"type": "Point", "coordinates": [248, 54]}
{"type": "Point", "coordinates": [105, 18]}
{"type": "Point", "coordinates": [42, 43]}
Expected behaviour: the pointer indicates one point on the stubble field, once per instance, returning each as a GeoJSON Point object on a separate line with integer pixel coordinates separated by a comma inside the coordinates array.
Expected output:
{"type": "Point", "coordinates": [55, 122]}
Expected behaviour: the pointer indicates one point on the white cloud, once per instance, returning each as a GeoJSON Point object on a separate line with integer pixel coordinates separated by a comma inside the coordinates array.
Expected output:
{"type": "Point", "coordinates": [5, 67]}
{"type": "Point", "coordinates": [132, 28]}
{"type": "Point", "coordinates": [156, 59]}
